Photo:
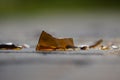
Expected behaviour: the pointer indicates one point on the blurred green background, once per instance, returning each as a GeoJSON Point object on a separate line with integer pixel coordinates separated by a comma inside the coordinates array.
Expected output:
{"type": "Point", "coordinates": [13, 7]}
{"type": "Point", "coordinates": [23, 20]}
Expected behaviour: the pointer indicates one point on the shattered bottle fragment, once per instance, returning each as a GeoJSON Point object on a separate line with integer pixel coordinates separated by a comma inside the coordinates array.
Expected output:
{"type": "Point", "coordinates": [9, 46]}
{"type": "Point", "coordinates": [97, 43]}
{"type": "Point", "coordinates": [49, 43]}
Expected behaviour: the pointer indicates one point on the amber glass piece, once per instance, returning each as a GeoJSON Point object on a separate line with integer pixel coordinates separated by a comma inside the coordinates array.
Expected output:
{"type": "Point", "coordinates": [97, 43]}
{"type": "Point", "coordinates": [48, 42]}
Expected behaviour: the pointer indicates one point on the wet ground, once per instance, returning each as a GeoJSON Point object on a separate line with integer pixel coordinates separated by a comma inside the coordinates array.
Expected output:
{"type": "Point", "coordinates": [82, 65]}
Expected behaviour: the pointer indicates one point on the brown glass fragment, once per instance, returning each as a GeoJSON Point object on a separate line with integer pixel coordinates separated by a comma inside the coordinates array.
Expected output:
{"type": "Point", "coordinates": [97, 43]}
{"type": "Point", "coordinates": [49, 43]}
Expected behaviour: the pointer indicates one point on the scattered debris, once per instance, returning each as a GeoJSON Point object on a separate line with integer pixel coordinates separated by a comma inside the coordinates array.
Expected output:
{"type": "Point", "coordinates": [49, 43]}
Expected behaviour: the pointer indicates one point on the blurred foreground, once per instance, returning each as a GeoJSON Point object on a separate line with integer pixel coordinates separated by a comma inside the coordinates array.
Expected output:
{"type": "Point", "coordinates": [29, 66]}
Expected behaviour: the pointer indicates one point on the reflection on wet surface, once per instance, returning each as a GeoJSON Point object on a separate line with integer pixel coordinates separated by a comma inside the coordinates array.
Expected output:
{"type": "Point", "coordinates": [36, 66]}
